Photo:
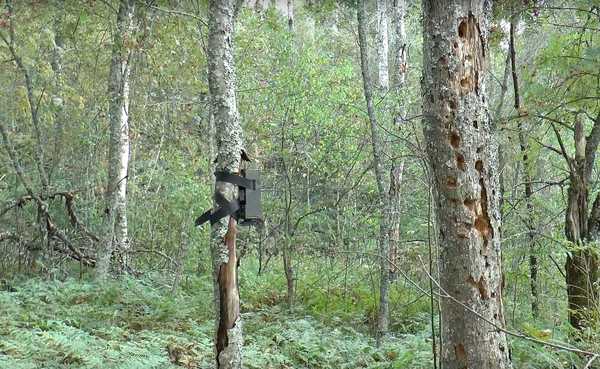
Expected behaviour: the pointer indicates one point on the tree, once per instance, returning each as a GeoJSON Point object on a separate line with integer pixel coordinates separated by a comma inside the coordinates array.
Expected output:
{"type": "Point", "coordinates": [582, 226]}
{"type": "Point", "coordinates": [377, 147]}
{"type": "Point", "coordinates": [118, 155]}
{"type": "Point", "coordinates": [400, 48]}
{"type": "Point", "coordinates": [463, 157]}
{"type": "Point", "coordinates": [228, 132]}
{"type": "Point", "coordinates": [523, 146]}
{"type": "Point", "coordinates": [382, 46]}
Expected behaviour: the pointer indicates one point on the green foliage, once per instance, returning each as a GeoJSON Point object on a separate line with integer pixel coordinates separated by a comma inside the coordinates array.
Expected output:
{"type": "Point", "coordinates": [131, 324]}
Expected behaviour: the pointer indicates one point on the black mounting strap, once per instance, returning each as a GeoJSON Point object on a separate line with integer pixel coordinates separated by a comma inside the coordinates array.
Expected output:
{"type": "Point", "coordinates": [225, 207]}
{"type": "Point", "coordinates": [236, 180]}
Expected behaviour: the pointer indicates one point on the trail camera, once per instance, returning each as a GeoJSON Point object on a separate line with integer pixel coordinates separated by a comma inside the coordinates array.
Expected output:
{"type": "Point", "coordinates": [246, 208]}
{"type": "Point", "coordinates": [250, 210]}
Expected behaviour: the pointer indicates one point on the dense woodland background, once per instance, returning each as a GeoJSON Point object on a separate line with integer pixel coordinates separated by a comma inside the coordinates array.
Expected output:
{"type": "Point", "coordinates": [311, 276]}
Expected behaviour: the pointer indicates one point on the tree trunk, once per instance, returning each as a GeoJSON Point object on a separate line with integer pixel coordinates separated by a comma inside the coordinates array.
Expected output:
{"type": "Point", "coordinates": [400, 47]}
{"type": "Point", "coordinates": [582, 263]}
{"type": "Point", "coordinates": [221, 78]}
{"type": "Point", "coordinates": [382, 46]}
{"type": "Point", "coordinates": [384, 204]}
{"type": "Point", "coordinates": [118, 156]}
{"type": "Point", "coordinates": [57, 100]}
{"type": "Point", "coordinates": [529, 216]}
{"type": "Point", "coordinates": [394, 198]}
{"type": "Point", "coordinates": [400, 60]}
{"type": "Point", "coordinates": [288, 270]}
{"type": "Point", "coordinates": [463, 157]}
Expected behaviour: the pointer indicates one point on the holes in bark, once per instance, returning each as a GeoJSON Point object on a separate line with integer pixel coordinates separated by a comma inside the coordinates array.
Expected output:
{"type": "Point", "coordinates": [482, 222]}
{"type": "Point", "coordinates": [454, 140]}
{"type": "Point", "coordinates": [451, 182]}
{"type": "Point", "coordinates": [463, 29]}
{"type": "Point", "coordinates": [475, 124]}
{"type": "Point", "coordinates": [444, 60]}
{"type": "Point", "coordinates": [460, 162]}
{"type": "Point", "coordinates": [452, 105]}
{"type": "Point", "coordinates": [480, 285]}
{"type": "Point", "coordinates": [479, 166]}
{"type": "Point", "coordinates": [461, 354]}
{"type": "Point", "coordinates": [471, 205]}
{"type": "Point", "coordinates": [455, 45]}
{"type": "Point", "coordinates": [479, 149]}
{"type": "Point", "coordinates": [482, 225]}
{"type": "Point", "coordinates": [466, 83]}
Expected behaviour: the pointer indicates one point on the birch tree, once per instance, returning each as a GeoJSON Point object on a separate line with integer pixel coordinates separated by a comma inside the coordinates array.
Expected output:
{"type": "Point", "coordinates": [382, 46]}
{"type": "Point", "coordinates": [118, 156]}
{"type": "Point", "coordinates": [228, 132]}
{"type": "Point", "coordinates": [463, 153]}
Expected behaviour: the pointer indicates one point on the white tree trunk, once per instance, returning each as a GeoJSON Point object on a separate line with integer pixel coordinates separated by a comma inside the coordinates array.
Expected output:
{"type": "Point", "coordinates": [118, 158]}
{"type": "Point", "coordinates": [463, 156]}
{"type": "Point", "coordinates": [399, 44]}
{"type": "Point", "coordinates": [221, 80]}
{"type": "Point", "coordinates": [382, 45]}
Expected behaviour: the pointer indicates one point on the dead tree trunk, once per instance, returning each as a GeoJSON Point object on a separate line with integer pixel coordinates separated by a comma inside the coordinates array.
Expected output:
{"type": "Point", "coordinates": [228, 132]}
{"type": "Point", "coordinates": [529, 217]}
{"type": "Point", "coordinates": [463, 157]}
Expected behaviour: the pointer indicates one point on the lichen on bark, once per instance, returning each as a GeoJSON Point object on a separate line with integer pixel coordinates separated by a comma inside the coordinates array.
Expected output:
{"type": "Point", "coordinates": [462, 152]}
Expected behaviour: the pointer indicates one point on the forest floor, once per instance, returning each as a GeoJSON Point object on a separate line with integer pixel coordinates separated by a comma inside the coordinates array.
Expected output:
{"type": "Point", "coordinates": [51, 324]}
{"type": "Point", "coordinates": [137, 324]}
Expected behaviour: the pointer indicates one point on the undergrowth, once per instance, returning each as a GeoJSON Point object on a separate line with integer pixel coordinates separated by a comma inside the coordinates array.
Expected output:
{"type": "Point", "coordinates": [130, 324]}
{"type": "Point", "coordinates": [136, 324]}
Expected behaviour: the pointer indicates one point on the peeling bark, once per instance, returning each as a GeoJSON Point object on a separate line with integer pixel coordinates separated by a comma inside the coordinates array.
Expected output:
{"type": "Point", "coordinates": [221, 78]}
{"type": "Point", "coordinates": [463, 156]}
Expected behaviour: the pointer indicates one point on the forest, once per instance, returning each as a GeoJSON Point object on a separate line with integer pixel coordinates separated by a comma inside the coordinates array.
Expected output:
{"type": "Point", "coordinates": [277, 184]}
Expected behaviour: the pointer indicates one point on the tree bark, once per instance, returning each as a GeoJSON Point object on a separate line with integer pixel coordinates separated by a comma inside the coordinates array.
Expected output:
{"type": "Point", "coordinates": [382, 46]}
{"type": "Point", "coordinates": [118, 156]}
{"type": "Point", "coordinates": [228, 131]}
{"type": "Point", "coordinates": [463, 156]}
{"type": "Point", "coordinates": [400, 59]}
{"type": "Point", "coordinates": [378, 164]}
{"type": "Point", "coordinates": [394, 198]}
{"type": "Point", "coordinates": [400, 44]}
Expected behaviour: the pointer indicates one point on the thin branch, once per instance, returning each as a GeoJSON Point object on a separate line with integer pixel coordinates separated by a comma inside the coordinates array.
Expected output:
{"type": "Point", "coordinates": [589, 363]}
{"type": "Point", "coordinates": [562, 149]}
